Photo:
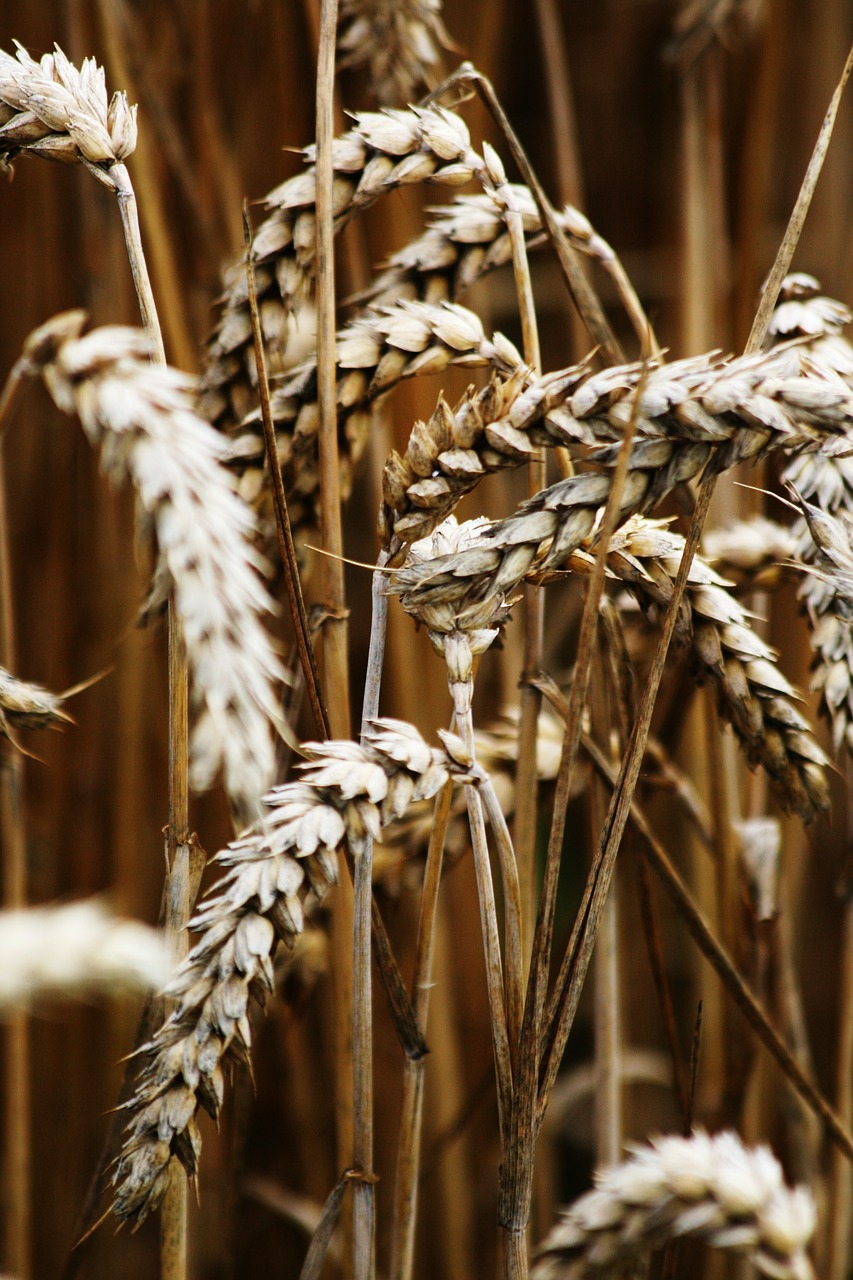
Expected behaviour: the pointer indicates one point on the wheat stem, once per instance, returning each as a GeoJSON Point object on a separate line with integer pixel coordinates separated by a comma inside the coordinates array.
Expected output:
{"type": "Point", "coordinates": [411, 1119]}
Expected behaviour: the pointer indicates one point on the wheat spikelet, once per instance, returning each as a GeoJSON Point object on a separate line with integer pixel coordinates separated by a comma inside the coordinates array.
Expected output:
{"type": "Point", "coordinates": [752, 694]}
{"type": "Point", "coordinates": [346, 791]}
{"type": "Point", "coordinates": [52, 109]}
{"type": "Point", "coordinates": [710, 1188]}
{"type": "Point", "coordinates": [77, 950]}
{"type": "Point", "coordinates": [385, 150]}
{"type": "Point", "coordinates": [374, 353]}
{"type": "Point", "coordinates": [698, 420]}
{"type": "Point", "coordinates": [398, 40]}
{"type": "Point", "coordinates": [28, 706]}
{"type": "Point", "coordinates": [141, 415]}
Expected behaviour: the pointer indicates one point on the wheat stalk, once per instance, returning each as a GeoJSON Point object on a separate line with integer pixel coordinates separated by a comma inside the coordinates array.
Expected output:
{"type": "Point", "coordinates": [141, 415]}
{"type": "Point", "coordinates": [713, 1189]}
{"type": "Point", "coordinates": [695, 420]}
{"type": "Point", "coordinates": [346, 792]}
{"type": "Point", "coordinates": [77, 950]}
{"type": "Point", "coordinates": [397, 40]}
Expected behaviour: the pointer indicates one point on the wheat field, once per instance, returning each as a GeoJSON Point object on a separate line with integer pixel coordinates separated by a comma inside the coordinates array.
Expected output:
{"type": "Point", "coordinates": [566, 778]}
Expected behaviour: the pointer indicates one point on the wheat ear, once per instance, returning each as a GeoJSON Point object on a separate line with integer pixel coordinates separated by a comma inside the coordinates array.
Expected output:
{"type": "Point", "coordinates": [345, 792]}
{"type": "Point", "coordinates": [51, 109]}
{"type": "Point", "coordinates": [709, 1188]}
{"type": "Point", "coordinates": [76, 950]}
{"type": "Point", "coordinates": [397, 40]}
{"type": "Point", "coordinates": [694, 421]}
{"type": "Point", "coordinates": [141, 415]}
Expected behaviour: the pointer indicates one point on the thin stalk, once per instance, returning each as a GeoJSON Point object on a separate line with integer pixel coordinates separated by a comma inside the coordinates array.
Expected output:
{"type": "Point", "coordinates": [721, 962]}
{"type": "Point", "coordinates": [411, 1121]}
{"type": "Point", "coordinates": [165, 265]}
{"type": "Point", "coordinates": [17, 1222]}
{"type": "Point", "coordinates": [364, 1226]}
{"type": "Point", "coordinates": [501, 1041]}
{"type": "Point", "coordinates": [138, 267]}
{"type": "Point", "coordinates": [336, 671]}
{"type": "Point", "coordinates": [173, 1218]}
{"type": "Point", "coordinates": [527, 779]}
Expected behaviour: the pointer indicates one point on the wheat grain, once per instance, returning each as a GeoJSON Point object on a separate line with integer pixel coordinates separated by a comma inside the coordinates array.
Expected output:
{"type": "Point", "coordinates": [398, 40]}
{"type": "Point", "coordinates": [346, 792]}
{"type": "Point", "coordinates": [50, 109]}
{"type": "Point", "coordinates": [710, 1188]}
{"type": "Point", "coordinates": [141, 415]}
{"type": "Point", "coordinates": [78, 950]}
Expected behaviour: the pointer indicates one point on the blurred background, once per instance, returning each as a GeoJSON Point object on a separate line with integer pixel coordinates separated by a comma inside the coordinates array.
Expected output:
{"type": "Point", "coordinates": [683, 132]}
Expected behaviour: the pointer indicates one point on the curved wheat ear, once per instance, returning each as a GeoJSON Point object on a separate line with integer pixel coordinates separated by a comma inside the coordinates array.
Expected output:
{"type": "Point", "coordinates": [375, 352]}
{"type": "Point", "coordinates": [752, 694]}
{"type": "Point", "coordinates": [76, 950]}
{"type": "Point", "coordinates": [399, 42]}
{"type": "Point", "coordinates": [141, 415]}
{"type": "Point", "coordinates": [693, 421]}
{"type": "Point", "coordinates": [346, 792]}
{"type": "Point", "coordinates": [51, 109]}
{"type": "Point", "coordinates": [28, 706]}
{"type": "Point", "coordinates": [385, 150]}
{"type": "Point", "coordinates": [710, 1188]}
